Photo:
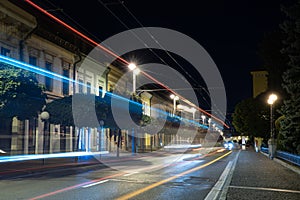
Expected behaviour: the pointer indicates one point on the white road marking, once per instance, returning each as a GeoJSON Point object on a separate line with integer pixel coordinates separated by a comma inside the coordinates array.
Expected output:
{"type": "Point", "coordinates": [223, 195]}
{"type": "Point", "coordinates": [214, 192]}
{"type": "Point", "coordinates": [127, 181]}
{"type": "Point", "coordinates": [130, 174]}
{"type": "Point", "coordinates": [262, 188]}
{"type": "Point", "coordinates": [96, 183]}
{"type": "Point", "coordinates": [223, 180]}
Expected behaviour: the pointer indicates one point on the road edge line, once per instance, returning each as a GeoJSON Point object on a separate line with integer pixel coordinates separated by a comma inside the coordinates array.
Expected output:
{"type": "Point", "coordinates": [224, 192]}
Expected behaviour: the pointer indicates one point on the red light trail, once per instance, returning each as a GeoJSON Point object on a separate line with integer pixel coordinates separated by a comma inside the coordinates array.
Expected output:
{"type": "Point", "coordinates": [118, 57]}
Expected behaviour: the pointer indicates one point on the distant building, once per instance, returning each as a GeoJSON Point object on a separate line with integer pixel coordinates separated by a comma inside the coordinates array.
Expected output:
{"type": "Point", "coordinates": [260, 82]}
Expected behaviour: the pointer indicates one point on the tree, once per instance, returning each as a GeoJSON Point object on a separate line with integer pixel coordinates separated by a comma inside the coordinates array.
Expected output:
{"type": "Point", "coordinates": [290, 124]}
{"type": "Point", "coordinates": [21, 96]}
{"type": "Point", "coordinates": [61, 111]}
{"type": "Point", "coordinates": [251, 117]}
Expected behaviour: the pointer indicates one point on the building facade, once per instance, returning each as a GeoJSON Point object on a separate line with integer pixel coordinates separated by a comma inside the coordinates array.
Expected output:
{"type": "Point", "coordinates": [27, 38]}
{"type": "Point", "coordinates": [260, 82]}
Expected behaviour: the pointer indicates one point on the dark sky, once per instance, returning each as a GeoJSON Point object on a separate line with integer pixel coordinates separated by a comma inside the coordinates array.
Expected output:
{"type": "Point", "coordinates": [229, 30]}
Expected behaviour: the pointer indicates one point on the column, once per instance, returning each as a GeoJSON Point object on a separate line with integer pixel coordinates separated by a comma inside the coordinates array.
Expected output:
{"type": "Point", "coordinates": [26, 136]}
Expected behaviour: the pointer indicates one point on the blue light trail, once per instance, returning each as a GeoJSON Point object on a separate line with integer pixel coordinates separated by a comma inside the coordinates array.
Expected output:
{"type": "Point", "coordinates": [44, 72]}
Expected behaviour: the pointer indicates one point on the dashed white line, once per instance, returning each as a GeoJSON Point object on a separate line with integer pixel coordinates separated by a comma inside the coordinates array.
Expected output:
{"type": "Point", "coordinates": [130, 174]}
{"type": "Point", "coordinates": [96, 183]}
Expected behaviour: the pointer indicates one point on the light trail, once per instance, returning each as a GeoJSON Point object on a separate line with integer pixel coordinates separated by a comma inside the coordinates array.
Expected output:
{"type": "Point", "coordinates": [5, 159]}
{"type": "Point", "coordinates": [154, 185]}
{"type": "Point", "coordinates": [76, 186]}
{"type": "Point", "coordinates": [44, 72]}
{"type": "Point", "coordinates": [120, 58]}
{"type": "Point", "coordinates": [76, 31]}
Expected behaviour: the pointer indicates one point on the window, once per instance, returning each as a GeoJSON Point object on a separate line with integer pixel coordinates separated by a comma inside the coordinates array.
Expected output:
{"type": "Point", "coordinates": [66, 73]}
{"type": "Point", "coordinates": [48, 80]}
{"type": "Point", "coordinates": [100, 91]}
{"type": "Point", "coordinates": [33, 60]}
{"type": "Point", "coordinates": [5, 51]}
{"type": "Point", "coordinates": [80, 86]}
{"type": "Point", "coordinates": [146, 109]}
{"type": "Point", "coordinates": [88, 88]}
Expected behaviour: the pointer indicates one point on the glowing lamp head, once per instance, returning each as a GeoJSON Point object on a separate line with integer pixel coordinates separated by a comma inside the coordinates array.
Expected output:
{"type": "Point", "coordinates": [45, 115]}
{"type": "Point", "coordinates": [172, 96]}
{"type": "Point", "coordinates": [131, 66]}
{"type": "Point", "coordinates": [193, 109]}
{"type": "Point", "coordinates": [272, 99]}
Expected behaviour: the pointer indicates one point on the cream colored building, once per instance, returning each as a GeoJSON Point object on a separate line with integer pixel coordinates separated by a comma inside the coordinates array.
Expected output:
{"type": "Point", "coordinates": [260, 82]}
{"type": "Point", "coordinates": [21, 38]}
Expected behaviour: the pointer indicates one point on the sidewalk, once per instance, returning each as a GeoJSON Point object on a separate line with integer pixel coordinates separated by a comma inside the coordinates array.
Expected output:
{"type": "Point", "coordinates": [257, 177]}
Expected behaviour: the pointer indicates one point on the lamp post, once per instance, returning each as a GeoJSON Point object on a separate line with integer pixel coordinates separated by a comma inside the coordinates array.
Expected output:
{"type": "Point", "coordinates": [135, 72]}
{"type": "Point", "coordinates": [45, 117]}
{"type": "Point", "coordinates": [203, 119]}
{"type": "Point", "coordinates": [175, 98]}
{"type": "Point", "coordinates": [272, 146]}
{"type": "Point", "coordinates": [193, 112]}
{"type": "Point", "coordinates": [209, 122]}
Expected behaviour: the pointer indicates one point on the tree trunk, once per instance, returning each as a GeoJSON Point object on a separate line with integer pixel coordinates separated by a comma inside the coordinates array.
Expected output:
{"type": "Point", "coordinates": [5, 134]}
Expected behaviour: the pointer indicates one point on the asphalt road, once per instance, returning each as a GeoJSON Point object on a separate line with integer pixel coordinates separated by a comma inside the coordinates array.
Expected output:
{"type": "Point", "coordinates": [168, 176]}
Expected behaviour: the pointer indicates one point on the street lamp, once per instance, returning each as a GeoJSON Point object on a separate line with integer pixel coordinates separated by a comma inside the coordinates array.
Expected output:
{"type": "Point", "coordinates": [175, 98]}
{"type": "Point", "coordinates": [271, 100]}
{"type": "Point", "coordinates": [193, 112]}
{"type": "Point", "coordinates": [209, 121]}
{"type": "Point", "coordinates": [131, 66]}
{"type": "Point", "coordinates": [135, 72]}
{"type": "Point", "coordinates": [45, 116]}
{"type": "Point", "coordinates": [203, 119]}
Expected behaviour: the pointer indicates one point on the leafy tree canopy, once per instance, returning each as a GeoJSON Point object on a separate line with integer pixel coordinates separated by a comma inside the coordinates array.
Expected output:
{"type": "Point", "coordinates": [251, 117]}
{"type": "Point", "coordinates": [20, 94]}
{"type": "Point", "coordinates": [290, 124]}
{"type": "Point", "coordinates": [87, 106]}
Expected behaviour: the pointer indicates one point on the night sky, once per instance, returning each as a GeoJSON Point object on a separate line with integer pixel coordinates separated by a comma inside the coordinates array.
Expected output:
{"type": "Point", "coordinates": [230, 31]}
